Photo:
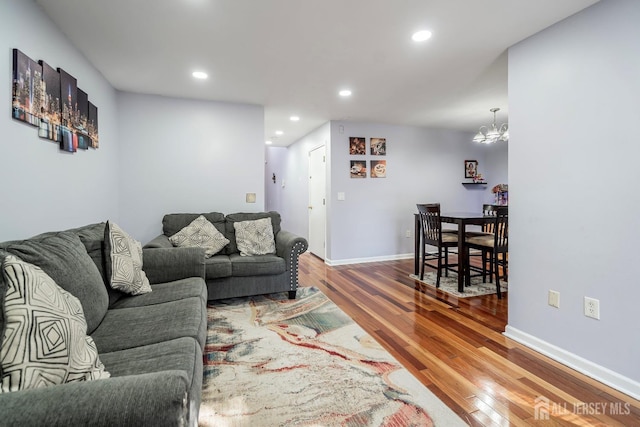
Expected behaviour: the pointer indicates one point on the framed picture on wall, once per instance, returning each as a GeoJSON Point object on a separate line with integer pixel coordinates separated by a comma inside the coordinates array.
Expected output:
{"type": "Point", "coordinates": [357, 145]}
{"type": "Point", "coordinates": [358, 169]}
{"type": "Point", "coordinates": [378, 146]}
{"type": "Point", "coordinates": [470, 168]}
{"type": "Point", "coordinates": [378, 168]}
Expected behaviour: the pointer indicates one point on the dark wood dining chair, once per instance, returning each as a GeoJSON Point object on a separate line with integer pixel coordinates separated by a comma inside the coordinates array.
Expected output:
{"type": "Point", "coordinates": [432, 235]}
{"type": "Point", "coordinates": [485, 255]}
{"type": "Point", "coordinates": [496, 244]}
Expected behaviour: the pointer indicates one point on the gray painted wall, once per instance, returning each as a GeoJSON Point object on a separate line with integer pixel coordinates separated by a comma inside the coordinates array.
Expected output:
{"type": "Point", "coordinates": [183, 155]}
{"type": "Point", "coordinates": [574, 111]}
{"type": "Point", "coordinates": [275, 158]}
{"type": "Point", "coordinates": [422, 165]}
{"type": "Point", "coordinates": [295, 196]}
{"type": "Point", "coordinates": [44, 188]}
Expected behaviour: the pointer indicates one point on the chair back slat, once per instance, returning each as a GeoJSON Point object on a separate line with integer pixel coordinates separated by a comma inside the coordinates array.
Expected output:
{"type": "Point", "coordinates": [431, 223]}
{"type": "Point", "coordinates": [489, 210]}
{"type": "Point", "coordinates": [501, 224]}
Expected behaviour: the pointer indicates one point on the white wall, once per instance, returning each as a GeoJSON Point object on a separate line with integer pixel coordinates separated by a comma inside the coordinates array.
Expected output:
{"type": "Point", "coordinates": [574, 110]}
{"type": "Point", "coordinates": [183, 155]}
{"type": "Point", "coordinates": [44, 188]}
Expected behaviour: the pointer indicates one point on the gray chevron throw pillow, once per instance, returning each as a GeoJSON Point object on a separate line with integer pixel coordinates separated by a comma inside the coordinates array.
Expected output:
{"type": "Point", "coordinates": [202, 234]}
{"type": "Point", "coordinates": [124, 261]}
{"type": "Point", "coordinates": [255, 237]}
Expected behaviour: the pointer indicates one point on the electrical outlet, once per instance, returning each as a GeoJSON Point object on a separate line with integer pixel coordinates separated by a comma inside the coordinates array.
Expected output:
{"type": "Point", "coordinates": [554, 299]}
{"type": "Point", "coordinates": [407, 234]}
{"type": "Point", "coordinates": [592, 307]}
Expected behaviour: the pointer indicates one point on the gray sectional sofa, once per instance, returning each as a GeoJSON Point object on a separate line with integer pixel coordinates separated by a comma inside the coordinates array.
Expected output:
{"type": "Point", "coordinates": [151, 344]}
{"type": "Point", "coordinates": [228, 274]}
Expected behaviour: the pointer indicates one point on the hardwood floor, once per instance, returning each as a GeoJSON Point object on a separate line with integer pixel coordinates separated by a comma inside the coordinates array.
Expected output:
{"type": "Point", "coordinates": [455, 347]}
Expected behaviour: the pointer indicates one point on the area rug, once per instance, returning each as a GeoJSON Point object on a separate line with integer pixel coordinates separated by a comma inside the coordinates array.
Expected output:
{"type": "Point", "coordinates": [271, 361]}
{"type": "Point", "coordinates": [450, 285]}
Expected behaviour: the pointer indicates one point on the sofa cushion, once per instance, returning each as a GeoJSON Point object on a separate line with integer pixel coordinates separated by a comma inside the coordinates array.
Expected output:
{"type": "Point", "coordinates": [123, 255]}
{"type": "Point", "coordinates": [64, 258]}
{"type": "Point", "coordinates": [255, 237]}
{"type": "Point", "coordinates": [217, 266]}
{"type": "Point", "coordinates": [200, 233]}
{"type": "Point", "coordinates": [230, 231]}
{"type": "Point", "coordinates": [166, 292]}
{"type": "Point", "coordinates": [45, 334]}
{"type": "Point", "coordinates": [258, 265]}
{"type": "Point", "coordinates": [182, 354]}
{"type": "Point", "coordinates": [178, 354]}
{"type": "Point", "coordinates": [172, 223]}
{"type": "Point", "coordinates": [136, 326]}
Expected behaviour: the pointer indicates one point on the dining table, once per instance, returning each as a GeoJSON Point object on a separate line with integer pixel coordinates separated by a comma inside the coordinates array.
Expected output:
{"type": "Point", "coordinates": [461, 219]}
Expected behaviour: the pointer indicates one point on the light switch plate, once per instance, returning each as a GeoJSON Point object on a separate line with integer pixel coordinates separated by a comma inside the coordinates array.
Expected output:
{"type": "Point", "coordinates": [554, 299]}
{"type": "Point", "coordinates": [251, 197]}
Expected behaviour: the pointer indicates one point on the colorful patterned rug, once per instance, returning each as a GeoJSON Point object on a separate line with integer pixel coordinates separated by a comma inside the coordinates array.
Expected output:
{"type": "Point", "coordinates": [450, 285]}
{"type": "Point", "coordinates": [271, 361]}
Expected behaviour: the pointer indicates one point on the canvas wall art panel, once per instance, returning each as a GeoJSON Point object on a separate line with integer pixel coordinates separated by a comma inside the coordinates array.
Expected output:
{"type": "Point", "coordinates": [50, 116]}
{"type": "Point", "coordinates": [92, 126]}
{"type": "Point", "coordinates": [27, 94]}
{"type": "Point", "coordinates": [81, 119]}
{"type": "Point", "coordinates": [378, 168]}
{"type": "Point", "coordinates": [378, 146]}
{"type": "Point", "coordinates": [357, 145]}
{"type": "Point", "coordinates": [358, 169]}
{"type": "Point", "coordinates": [69, 95]}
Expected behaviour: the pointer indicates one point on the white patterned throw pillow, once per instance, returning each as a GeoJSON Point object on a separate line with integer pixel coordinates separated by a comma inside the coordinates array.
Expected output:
{"type": "Point", "coordinates": [45, 340]}
{"type": "Point", "coordinates": [255, 237]}
{"type": "Point", "coordinates": [202, 234]}
{"type": "Point", "coordinates": [124, 261]}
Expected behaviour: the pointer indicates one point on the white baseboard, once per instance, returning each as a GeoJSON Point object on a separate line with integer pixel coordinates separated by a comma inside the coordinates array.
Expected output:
{"type": "Point", "coordinates": [590, 369]}
{"type": "Point", "coordinates": [371, 259]}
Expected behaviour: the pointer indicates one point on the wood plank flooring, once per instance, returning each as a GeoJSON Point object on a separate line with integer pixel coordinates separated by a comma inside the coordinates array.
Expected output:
{"type": "Point", "coordinates": [455, 347]}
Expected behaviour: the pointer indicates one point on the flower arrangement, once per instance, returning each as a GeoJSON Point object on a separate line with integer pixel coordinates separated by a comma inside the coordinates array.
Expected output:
{"type": "Point", "coordinates": [500, 188]}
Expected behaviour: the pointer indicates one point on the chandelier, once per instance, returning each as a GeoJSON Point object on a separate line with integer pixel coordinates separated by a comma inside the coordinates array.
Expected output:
{"type": "Point", "coordinates": [492, 134]}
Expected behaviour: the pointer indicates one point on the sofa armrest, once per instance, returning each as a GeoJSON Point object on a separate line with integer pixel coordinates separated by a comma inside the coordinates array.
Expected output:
{"type": "Point", "coordinates": [158, 399]}
{"type": "Point", "coordinates": [168, 264]}
{"type": "Point", "coordinates": [160, 241]}
{"type": "Point", "coordinates": [289, 246]}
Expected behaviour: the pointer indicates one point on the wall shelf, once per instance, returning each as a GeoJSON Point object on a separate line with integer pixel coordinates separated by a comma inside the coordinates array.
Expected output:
{"type": "Point", "coordinates": [474, 183]}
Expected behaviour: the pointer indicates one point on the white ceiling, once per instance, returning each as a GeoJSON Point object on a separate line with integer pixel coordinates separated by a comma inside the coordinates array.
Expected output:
{"type": "Point", "coordinates": [293, 56]}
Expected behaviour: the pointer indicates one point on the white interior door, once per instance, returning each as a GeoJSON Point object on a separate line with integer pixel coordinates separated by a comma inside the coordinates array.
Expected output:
{"type": "Point", "coordinates": [317, 201]}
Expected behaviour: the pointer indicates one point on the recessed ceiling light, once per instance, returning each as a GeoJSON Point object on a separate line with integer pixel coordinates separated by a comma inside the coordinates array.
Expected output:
{"type": "Point", "coordinates": [200, 75]}
{"type": "Point", "coordinates": [294, 118]}
{"type": "Point", "coordinates": [345, 92]}
{"type": "Point", "coordinates": [279, 132]}
{"type": "Point", "coordinates": [268, 142]}
{"type": "Point", "coordinates": [421, 36]}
